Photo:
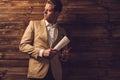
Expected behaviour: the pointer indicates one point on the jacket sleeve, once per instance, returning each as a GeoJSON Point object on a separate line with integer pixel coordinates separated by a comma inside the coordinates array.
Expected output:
{"type": "Point", "coordinates": [66, 58]}
{"type": "Point", "coordinates": [26, 44]}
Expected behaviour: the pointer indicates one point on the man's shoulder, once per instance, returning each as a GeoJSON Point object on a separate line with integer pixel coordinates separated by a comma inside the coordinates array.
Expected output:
{"type": "Point", "coordinates": [60, 26]}
{"type": "Point", "coordinates": [36, 21]}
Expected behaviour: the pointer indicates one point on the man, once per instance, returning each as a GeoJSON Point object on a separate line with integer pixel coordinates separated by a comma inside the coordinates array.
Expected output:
{"type": "Point", "coordinates": [38, 41]}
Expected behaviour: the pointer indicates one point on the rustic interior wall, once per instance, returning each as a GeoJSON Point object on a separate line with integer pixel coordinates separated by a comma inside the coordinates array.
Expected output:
{"type": "Point", "coordinates": [94, 26]}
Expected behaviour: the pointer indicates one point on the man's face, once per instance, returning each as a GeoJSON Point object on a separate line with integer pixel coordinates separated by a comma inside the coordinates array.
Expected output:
{"type": "Point", "coordinates": [49, 14]}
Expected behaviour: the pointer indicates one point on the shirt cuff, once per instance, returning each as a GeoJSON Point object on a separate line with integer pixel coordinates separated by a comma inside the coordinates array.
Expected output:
{"type": "Point", "coordinates": [41, 52]}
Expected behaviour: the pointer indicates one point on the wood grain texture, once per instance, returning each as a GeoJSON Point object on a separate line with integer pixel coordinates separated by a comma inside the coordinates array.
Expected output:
{"type": "Point", "coordinates": [94, 29]}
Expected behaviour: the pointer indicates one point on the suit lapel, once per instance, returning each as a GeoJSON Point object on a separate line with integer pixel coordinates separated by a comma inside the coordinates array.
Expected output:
{"type": "Point", "coordinates": [43, 27]}
{"type": "Point", "coordinates": [59, 37]}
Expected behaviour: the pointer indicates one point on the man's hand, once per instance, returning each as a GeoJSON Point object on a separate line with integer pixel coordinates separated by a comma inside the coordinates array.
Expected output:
{"type": "Point", "coordinates": [50, 52]}
{"type": "Point", "coordinates": [64, 56]}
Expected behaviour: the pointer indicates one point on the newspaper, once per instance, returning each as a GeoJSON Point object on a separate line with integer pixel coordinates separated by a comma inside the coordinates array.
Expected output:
{"type": "Point", "coordinates": [62, 43]}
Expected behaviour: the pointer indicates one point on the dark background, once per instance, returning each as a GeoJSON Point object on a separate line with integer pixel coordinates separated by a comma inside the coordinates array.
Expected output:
{"type": "Point", "coordinates": [94, 26]}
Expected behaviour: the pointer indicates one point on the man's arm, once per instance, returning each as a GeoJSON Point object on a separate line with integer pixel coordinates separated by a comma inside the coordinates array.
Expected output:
{"type": "Point", "coordinates": [26, 44]}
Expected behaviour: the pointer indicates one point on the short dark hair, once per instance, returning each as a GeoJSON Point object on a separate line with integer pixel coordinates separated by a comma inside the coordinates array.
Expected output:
{"type": "Point", "coordinates": [57, 3]}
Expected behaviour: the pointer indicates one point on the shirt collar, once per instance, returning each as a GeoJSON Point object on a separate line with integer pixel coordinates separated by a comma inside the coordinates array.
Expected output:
{"type": "Point", "coordinates": [50, 25]}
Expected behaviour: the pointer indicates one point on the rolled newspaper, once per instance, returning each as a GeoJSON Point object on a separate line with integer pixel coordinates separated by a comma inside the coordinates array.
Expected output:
{"type": "Point", "coordinates": [63, 42]}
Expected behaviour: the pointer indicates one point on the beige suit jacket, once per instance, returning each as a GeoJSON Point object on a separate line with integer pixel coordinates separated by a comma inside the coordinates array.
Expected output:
{"type": "Point", "coordinates": [34, 39]}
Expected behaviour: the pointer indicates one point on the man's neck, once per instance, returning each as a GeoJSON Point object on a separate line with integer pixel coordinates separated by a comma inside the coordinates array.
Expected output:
{"type": "Point", "coordinates": [52, 22]}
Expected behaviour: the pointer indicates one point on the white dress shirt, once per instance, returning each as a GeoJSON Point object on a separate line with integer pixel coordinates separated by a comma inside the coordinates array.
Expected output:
{"type": "Point", "coordinates": [52, 35]}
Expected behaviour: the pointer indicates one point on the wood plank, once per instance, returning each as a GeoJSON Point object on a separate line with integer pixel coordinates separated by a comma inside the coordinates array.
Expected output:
{"type": "Point", "coordinates": [21, 3]}
{"type": "Point", "coordinates": [13, 56]}
{"type": "Point", "coordinates": [15, 70]}
{"type": "Point", "coordinates": [13, 63]}
{"type": "Point", "coordinates": [15, 77]}
{"type": "Point", "coordinates": [96, 32]}
{"type": "Point", "coordinates": [9, 47]}
{"type": "Point", "coordinates": [22, 10]}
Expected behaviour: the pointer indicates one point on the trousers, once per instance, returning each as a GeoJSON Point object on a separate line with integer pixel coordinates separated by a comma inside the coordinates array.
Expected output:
{"type": "Point", "coordinates": [49, 76]}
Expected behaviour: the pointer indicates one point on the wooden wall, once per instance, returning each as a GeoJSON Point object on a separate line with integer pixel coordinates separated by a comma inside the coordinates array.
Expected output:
{"type": "Point", "coordinates": [94, 26]}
